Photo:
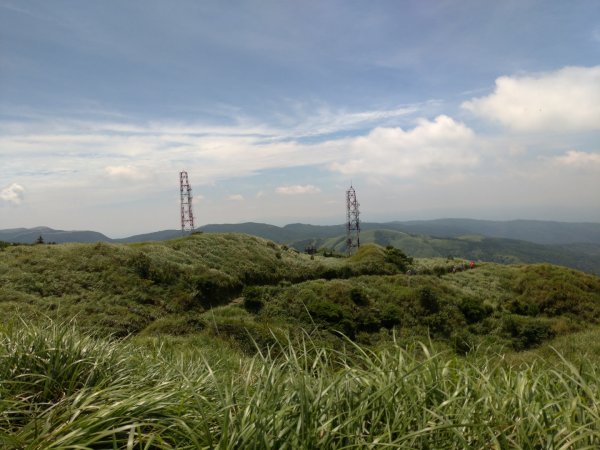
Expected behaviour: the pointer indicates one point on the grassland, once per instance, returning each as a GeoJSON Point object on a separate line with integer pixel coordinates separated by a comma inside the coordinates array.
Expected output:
{"type": "Point", "coordinates": [232, 341]}
{"type": "Point", "coordinates": [61, 389]}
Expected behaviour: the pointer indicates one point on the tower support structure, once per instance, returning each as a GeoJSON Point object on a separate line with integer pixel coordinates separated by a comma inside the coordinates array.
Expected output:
{"type": "Point", "coordinates": [352, 222]}
{"type": "Point", "coordinates": [187, 215]}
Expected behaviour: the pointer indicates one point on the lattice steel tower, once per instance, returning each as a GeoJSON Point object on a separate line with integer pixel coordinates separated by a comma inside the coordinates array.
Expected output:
{"type": "Point", "coordinates": [187, 216]}
{"type": "Point", "coordinates": [352, 221]}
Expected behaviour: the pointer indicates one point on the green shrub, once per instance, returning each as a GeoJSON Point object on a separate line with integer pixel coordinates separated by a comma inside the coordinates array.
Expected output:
{"type": "Point", "coordinates": [175, 325]}
{"type": "Point", "coordinates": [359, 297]}
{"type": "Point", "coordinates": [527, 332]}
{"type": "Point", "coordinates": [140, 262]}
{"type": "Point", "coordinates": [213, 288]}
{"type": "Point", "coordinates": [442, 324]}
{"type": "Point", "coordinates": [397, 257]}
{"type": "Point", "coordinates": [325, 310]}
{"type": "Point", "coordinates": [474, 309]}
{"type": "Point", "coordinates": [367, 320]}
{"type": "Point", "coordinates": [391, 315]}
{"type": "Point", "coordinates": [462, 341]}
{"type": "Point", "coordinates": [428, 300]}
{"type": "Point", "coordinates": [253, 298]}
{"type": "Point", "coordinates": [523, 308]}
{"type": "Point", "coordinates": [439, 270]}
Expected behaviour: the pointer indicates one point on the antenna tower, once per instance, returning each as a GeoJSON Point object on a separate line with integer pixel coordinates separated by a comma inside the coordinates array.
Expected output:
{"type": "Point", "coordinates": [352, 221]}
{"type": "Point", "coordinates": [187, 216]}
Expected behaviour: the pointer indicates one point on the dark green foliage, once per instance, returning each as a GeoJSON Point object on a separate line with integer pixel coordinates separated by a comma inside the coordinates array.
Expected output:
{"type": "Point", "coordinates": [523, 308]}
{"type": "Point", "coordinates": [397, 257]}
{"type": "Point", "coordinates": [462, 341]}
{"type": "Point", "coordinates": [526, 332]}
{"type": "Point", "coordinates": [428, 300]}
{"type": "Point", "coordinates": [175, 325]}
{"type": "Point", "coordinates": [140, 262]}
{"type": "Point", "coordinates": [323, 310]}
{"type": "Point", "coordinates": [359, 297]}
{"type": "Point", "coordinates": [441, 270]}
{"type": "Point", "coordinates": [391, 315]}
{"type": "Point", "coordinates": [367, 319]}
{"type": "Point", "coordinates": [214, 288]}
{"type": "Point", "coordinates": [553, 291]}
{"type": "Point", "coordinates": [253, 298]}
{"type": "Point", "coordinates": [444, 322]}
{"type": "Point", "coordinates": [474, 309]}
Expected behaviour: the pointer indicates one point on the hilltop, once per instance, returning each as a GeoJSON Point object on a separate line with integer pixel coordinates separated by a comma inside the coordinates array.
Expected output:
{"type": "Point", "coordinates": [246, 290]}
{"type": "Point", "coordinates": [575, 245]}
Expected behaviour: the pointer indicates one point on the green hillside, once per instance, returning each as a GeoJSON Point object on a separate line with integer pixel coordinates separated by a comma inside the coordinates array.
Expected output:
{"type": "Point", "coordinates": [243, 289]}
{"type": "Point", "coordinates": [574, 245]}
{"type": "Point", "coordinates": [233, 341]}
{"type": "Point", "coordinates": [123, 288]}
{"type": "Point", "coordinates": [584, 257]}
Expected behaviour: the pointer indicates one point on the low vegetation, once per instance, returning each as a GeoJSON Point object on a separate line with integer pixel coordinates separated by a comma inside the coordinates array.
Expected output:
{"type": "Point", "coordinates": [232, 341]}
{"type": "Point", "coordinates": [61, 389]}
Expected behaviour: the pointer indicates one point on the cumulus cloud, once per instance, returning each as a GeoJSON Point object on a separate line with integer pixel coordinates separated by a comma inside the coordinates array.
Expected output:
{"type": "Point", "coordinates": [579, 160]}
{"type": "Point", "coordinates": [564, 100]}
{"type": "Point", "coordinates": [236, 198]}
{"type": "Point", "coordinates": [12, 194]}
{"type": "Point", "coordinates": [432, 145]}
{"type": "Point", "coordinates": [297, 189]}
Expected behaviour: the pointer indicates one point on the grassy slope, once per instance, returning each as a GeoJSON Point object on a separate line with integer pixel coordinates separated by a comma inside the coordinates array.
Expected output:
{"type": "Point", "coordinates": [62, 389]}
{"type": "Point", "coordinates": [505, 251]}
{"type": "Point", "coordinates": [244, 289]}
{"type": "Point", "coordinates": [124, 288]}
{"type": "Point", "coordinates": [59, 389]}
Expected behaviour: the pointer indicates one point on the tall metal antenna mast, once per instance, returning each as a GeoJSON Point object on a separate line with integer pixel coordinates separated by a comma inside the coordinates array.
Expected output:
{"type": "Point", "coordinates": [352, 221]}
{"type": "Point", "coordinates": [187, 216]}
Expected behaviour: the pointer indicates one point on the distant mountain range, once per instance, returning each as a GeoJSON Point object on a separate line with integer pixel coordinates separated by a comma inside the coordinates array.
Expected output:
{"type": "Point", "coordinates": [574, 245]}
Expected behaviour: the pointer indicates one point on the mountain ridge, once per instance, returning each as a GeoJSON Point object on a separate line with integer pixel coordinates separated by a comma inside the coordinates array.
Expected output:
{"type": "Point", "coordinates": [537, 231]}
{"type": "Point", "coordinates": [575, 245]}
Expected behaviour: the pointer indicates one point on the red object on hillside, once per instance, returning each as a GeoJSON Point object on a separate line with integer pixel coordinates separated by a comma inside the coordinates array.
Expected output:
{"type": "Point", "coordinates": [471, 264]}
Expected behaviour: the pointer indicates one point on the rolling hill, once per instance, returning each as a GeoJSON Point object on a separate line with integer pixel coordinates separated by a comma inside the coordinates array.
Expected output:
{"type": "Point", "coordinates": [575, 245]}
{"type": "Point", "coordinates": [223, 340]}
{"type": "Point", "coordinates": [243, 287]}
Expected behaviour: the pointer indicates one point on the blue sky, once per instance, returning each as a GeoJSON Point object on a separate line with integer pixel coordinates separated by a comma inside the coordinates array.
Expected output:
{"type": "Point", "coordinates": [430, 108]}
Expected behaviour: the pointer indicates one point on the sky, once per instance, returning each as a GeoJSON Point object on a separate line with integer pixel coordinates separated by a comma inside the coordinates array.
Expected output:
{"type": "Point", "coordinates": [430, 109]}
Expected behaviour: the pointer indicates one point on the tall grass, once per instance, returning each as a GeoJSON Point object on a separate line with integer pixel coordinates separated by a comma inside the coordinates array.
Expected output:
{"type": "Point", "coordinates": [61, 389]}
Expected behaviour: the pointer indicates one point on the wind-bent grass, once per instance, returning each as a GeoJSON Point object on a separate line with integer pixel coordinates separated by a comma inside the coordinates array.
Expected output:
{"type": "Point", "coordinates": [61, 389]}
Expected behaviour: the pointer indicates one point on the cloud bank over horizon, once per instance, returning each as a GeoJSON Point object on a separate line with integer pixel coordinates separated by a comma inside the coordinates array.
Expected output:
{"type": "Point", "coordinates": [515, 136]}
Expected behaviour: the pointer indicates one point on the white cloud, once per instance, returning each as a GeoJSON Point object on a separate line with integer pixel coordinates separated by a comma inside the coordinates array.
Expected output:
{"type": "Point", "coordinates": [565, 100]}
{"type": "Point", "coordinates": [236, 198]}
{"type": "Point", "coordinates": [126, 172]}
{"type": "Point", "coordinates": [297, 189]}
{"type": "Point", "coordinates": [441, 144]}
{"type": "Point", "coordinates": [579, 160]}
{"type": "Point", "coordinates": [12, 195]}
{"type": "Point", "coordinates": [325, 121]}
